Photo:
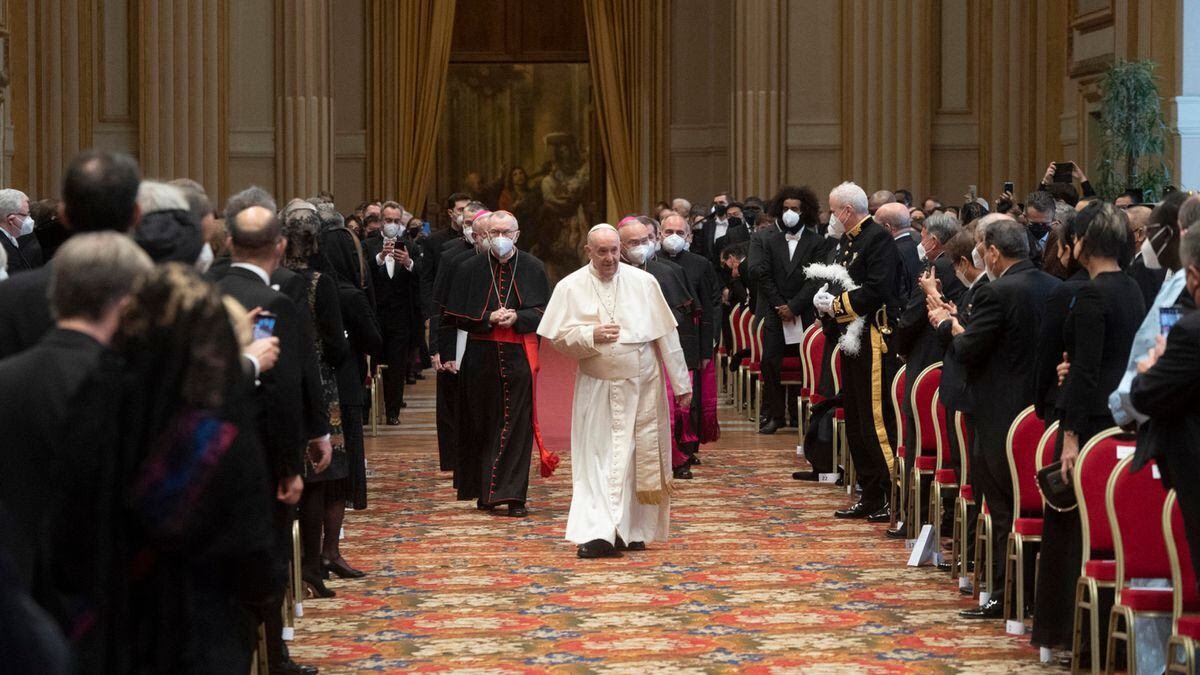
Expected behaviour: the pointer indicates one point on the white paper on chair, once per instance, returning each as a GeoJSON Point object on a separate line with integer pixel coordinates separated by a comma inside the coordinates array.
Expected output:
{"type": "Point", "coordinates": [924, 551]}
{"type": "Point", "coordinates": [460, 347]}
{"type": "Point", "coordinates": [793, 332]}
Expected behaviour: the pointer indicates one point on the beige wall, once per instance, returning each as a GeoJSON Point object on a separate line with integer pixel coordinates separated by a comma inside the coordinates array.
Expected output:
{"type": "Point", "coordinates": [928, 94]}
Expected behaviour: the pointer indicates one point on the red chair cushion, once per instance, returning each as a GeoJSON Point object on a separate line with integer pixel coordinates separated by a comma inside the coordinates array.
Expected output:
{"type": "Point", "coordinates": [753, 365]}
{"type": "Point", "coordinates": [1148, 599]}
{"type": "Point", "coordinates": [793, 375]}
{"type": "Point", "coordinates": [901, 452]}
{"type": "Point", "coordinates": [1189, 626]}
{"type": "Point", "coordinates": [1030, 527]}
{"type": "Point", "coordinates": [926, 463]}
{"type": "Point", "coordinates": [839, 414]}
{"type": "Point", "coordinates": [1101, 570]}
{"type": "Point", "coordinates": [967, 492]}
{"type": "Point", "coordinates": [791, 363]}
{"type": "Point", "coordinates": [815, 398]}
{"type": "Point", "coordinates": [722, 350]}
{"type": "Point", "coordinates": [805, 392]}
{"type": "Point", "coordinates": [946, 476]}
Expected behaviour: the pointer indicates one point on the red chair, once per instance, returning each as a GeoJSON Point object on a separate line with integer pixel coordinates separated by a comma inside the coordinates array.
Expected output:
{"type": "Point", "coordinates": [741, 340]}
{"type": "Point", "coordinates": [812, 347]}
{"type": "Point", "coordinates": [964, 501]}
{"type": "Point", "coordinates": [929, 419]}
{"type": "Point", "coordinates": [754, 371]}
{"type": "Point", "coordinates": [1027, 439]}
{"type": "Point", "coordinates": [725, 353]}
{"type": "Point", "coordinates": [1133, 502]}
{"type": "Point", "coordinates": [1096, 463]}
{"type": "Point", "coordinates": [841, 447]}
{"type": "Point", "coordinates": [945, 476]}
{"type": "Point", "coordinates": [898, 496]}
{"type": "Point", "coordinates": [1186, 626]}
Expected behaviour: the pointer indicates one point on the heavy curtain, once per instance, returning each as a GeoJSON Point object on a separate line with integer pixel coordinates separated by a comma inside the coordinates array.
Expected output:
{"type": "Point", "coordinates": [627, 63]}
{"type": "Point", "coordinates": [409, 51]}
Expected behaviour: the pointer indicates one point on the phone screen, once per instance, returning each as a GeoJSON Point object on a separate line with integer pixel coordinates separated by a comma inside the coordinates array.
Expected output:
{"type": "Point", "coordinates": [425, 228]}
{"type": "Point", "coordinates": [1168, 317]}
{"type": "Point", "coordinates": [1063, 172]}
{"type": "Point", "coordinates": [1008, 187]}
{"type": "Point", "coordinates": [264, 327]}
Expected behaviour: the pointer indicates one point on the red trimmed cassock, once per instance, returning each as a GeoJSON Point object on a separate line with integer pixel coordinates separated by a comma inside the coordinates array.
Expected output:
{"type": "Point", "coordinates": [497, 424]}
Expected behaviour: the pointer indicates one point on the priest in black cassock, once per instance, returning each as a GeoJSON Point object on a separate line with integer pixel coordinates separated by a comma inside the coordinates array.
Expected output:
{"type": "Point", "coordinates": [637, 249]}
{"type": "Point", "coordinates": [499, 299]}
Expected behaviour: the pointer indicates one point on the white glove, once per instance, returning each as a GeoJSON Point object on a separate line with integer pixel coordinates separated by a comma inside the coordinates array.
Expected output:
{"type": "Point", "coordinates": [823, 301]}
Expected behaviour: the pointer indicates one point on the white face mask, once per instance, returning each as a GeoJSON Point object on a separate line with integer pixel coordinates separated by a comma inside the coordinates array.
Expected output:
{"type": "Point", "coordinates": [458, 219]}
{"type": "Point", "coordinates": [657, 246]}
{"type": "Point", "coordinates": [790, 218]}
{"type": "Point", "coordinates": [205, 259]}
{"type": "Point", "coordinates": [638, 254]}
{"type": "Point", "coordinates": [26, 226]}
{"type": "Point", "coordinates": [3, 274]}
{"type": "Point", "coordinates": [674, 244]}
{"type": "Point", "coordinates": [1150, 256]}
{"type": "Point", "coordinates": [502, 247]}
{"type": "Point", "coordinates": [977, 259]}
{"type": "Point", "coordinates": [921, 253]}
{"type": "Point", "coordinates": [391, 230]}
{"type": "Point", "coordinates": [469, 234]}
{"type": "Point", "coordinates": [962, 279]}
{"type": "Point", "coordinates": [836, 228]}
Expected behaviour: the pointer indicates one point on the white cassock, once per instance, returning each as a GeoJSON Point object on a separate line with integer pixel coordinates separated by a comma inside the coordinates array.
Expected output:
{"type": "Point", "coordinates": [620, 420]}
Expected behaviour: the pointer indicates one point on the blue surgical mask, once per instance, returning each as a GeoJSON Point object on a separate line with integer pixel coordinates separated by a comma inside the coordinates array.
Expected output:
{"type": "Point", "coordinates": [26, 226]}
{"type": "Point", "coordinates": [502, 247]}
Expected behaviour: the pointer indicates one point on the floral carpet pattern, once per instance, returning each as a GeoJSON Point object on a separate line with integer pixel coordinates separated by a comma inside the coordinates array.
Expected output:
{"type": "Point", "coordinates": [757, 577]}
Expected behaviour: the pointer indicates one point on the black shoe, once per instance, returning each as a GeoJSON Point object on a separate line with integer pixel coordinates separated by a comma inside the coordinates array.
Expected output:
{"type": "Point", "coordinates": [597, 548]}
{"type": "Point", "coordinates": [420, 375]}
{"type": "Point", "coordinates": [517, 510]}
{"type": "Point", "coordinates": [771, 427]}
{"type": "Point", "coordinates": [898, 532]}
{"type": "Point", "coordinates": [340, 568]}
{"type": "Point", "coordinates": [403, 404]}
{"type": "Point", "coordinates": [315, 588]}
{"type": "Point", "coordinates": [393, 420]}
{"type": "Point", "coordinates": [859, 510]}
{"type": "Point", "coordinates": [805, 475]}
{"type": "Point", "coordinates": [994, 609]}
{"type": "Point", "coordinates": [290, 667]}
{"type": "Point", "coordinates": [411, 379]}
{"type": "Point", "coordinates": [682, 472]}
{"type": "Point", "coordinates": [969, 590]}
{"type": "Point", "coordinates": [484, 507]}
{"type": "Point", "coordinates": [631, 546]}
{"type": "Point", "coordinates": [883, 515]}
{"type": "Point", "coordinates": [693, 460]}
{"type": "Point", "coordinates": [944, 566]}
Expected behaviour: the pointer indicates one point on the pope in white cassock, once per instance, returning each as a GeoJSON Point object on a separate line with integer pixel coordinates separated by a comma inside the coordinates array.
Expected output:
{"type": "Point", "coordinates": [613, 319]}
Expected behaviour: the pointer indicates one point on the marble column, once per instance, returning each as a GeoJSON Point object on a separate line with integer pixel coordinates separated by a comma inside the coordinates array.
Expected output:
{"type": "Point", "coordinates": [182, 116]}
{"type": "Point", "coordinates": [303, 101]}
{"type": "Point", "coordinates": [757, 107]}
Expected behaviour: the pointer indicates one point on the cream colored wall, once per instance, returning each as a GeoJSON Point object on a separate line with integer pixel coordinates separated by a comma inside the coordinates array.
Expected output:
{"type": "Point", "coordinates": [927, 94]}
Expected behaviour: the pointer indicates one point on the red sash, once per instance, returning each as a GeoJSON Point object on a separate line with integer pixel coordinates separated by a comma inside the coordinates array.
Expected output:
{"type": "Point", "coordinates": [548, 460]}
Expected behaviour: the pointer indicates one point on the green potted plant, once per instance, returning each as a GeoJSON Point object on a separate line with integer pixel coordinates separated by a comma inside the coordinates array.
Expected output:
{"type": "Point", "coordinates": [1133, 132]}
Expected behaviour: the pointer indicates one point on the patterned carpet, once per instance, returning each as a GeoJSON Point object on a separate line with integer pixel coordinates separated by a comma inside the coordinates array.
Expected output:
{"type": "Point", "coordinates": [757, 577]}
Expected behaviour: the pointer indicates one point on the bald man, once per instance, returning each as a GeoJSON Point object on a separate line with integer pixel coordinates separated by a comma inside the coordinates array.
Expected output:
{"type": "Point", "coordinates": [613, 319]}
{"type": "Point", "coordinates": [896, 219]}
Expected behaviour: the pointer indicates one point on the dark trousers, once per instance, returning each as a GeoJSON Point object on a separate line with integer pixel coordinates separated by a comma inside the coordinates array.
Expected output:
{"type": "Point", "coordinates": [774, 404]}
{"type": "Point", "coordinates": [989, 473]}
{"type": "Point", "coordinates": [397, 354]}
{"type": "Point", "coordinates": [283, 515]}
{"type": "Point", "coordinates": [447, 420]}
{"type": "Point", "coordinates": [869, 423]}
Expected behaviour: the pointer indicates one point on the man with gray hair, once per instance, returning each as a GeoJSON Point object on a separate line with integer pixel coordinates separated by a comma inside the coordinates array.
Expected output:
{"type": "Point", "coordinates": [878, 199]}
{"type": "Point", "coordinates": [996, 352]}
{"type": "Point", "coordinates": [16, 226]}
{"type": "Point", "coordinates": [858, 301]}
{"type": "Point", "coordinates": [914, 338]}
{"type": "Point", "coordinates": [681, 206]}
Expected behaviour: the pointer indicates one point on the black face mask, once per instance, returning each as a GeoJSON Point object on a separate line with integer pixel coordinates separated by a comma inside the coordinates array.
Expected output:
{"type": "Point", "coordinates": [791, 230]}
{"type": "Point", "coordinates": [752, 215]}
{"type": "Point", "coordinates": [1039, 230]}
{"type": "Point", "coordinates": [720, 209]}
{"type": "Point", "coordinates": [735, 221]}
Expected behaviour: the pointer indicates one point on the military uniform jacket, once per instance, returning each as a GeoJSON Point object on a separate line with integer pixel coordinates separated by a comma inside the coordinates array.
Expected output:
{"type": "Point", "coordinates": [868, 253]}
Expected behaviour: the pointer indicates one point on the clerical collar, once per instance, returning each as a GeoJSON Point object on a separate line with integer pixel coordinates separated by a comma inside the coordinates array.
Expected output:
{"type": "Point", "coordinates": [262, 274]}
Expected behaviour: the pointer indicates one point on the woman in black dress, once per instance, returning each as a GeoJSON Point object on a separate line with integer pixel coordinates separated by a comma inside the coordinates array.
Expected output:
{"type": "Point", "coordinates": [1098, 333]}
{"type": "Point", "coordinates": [323, 491]}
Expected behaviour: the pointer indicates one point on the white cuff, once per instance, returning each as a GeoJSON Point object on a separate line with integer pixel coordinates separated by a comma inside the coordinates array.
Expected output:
{"type": "Point", "coordinates": [254, 362]}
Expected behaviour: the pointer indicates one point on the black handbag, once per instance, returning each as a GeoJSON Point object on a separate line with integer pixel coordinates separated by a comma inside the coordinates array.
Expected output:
{"type": "Point", "coordinates": [1058, 492]}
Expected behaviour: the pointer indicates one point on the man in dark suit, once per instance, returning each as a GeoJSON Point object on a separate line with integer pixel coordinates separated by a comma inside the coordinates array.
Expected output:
{"type": "Point", "coordinates": [785, 293]}
{"type": "Point", "coordinates": [434, 243]}
{"type": "Point", "coordinates": [397, 283]}
{"type": "Point", "coordinates": [914, 338]}
{"type": "Point", "coordinates": [257, 247]}
{"type": "Point", "coordinates": [995, 352]}
{"type": "Point", "coordinates": [1166, 390]}
{"type": "Point", "coordinates": [725, 227]}
{"type": "Point", "coordinates": [60, 461]}
{"type": "Point", "coordinates": [896, 220]}
{"type": "Point", "coordinates": [861, 313]}
{"type": "Point", "coordinates": [16, 232]}
{"type": "Point", "coordinates": [99, 193]}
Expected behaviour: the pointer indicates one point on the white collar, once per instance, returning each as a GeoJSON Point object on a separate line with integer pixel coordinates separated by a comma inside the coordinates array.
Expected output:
{"type": "Point", "coordinates": [262, 274]}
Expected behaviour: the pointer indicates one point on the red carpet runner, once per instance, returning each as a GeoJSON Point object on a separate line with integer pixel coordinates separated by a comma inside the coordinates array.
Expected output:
{"type": "Point", "coordinates": [757, 576]}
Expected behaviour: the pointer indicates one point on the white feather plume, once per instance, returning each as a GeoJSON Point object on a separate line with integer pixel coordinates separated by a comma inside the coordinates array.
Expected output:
{"type": "Point", "coordinates": [851, 340]}
{"type": "Point", "coordinates": [832, 272]}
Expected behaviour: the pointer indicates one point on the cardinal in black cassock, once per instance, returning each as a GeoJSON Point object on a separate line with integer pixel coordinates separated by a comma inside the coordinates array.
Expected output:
{"type": "Point", "coordinates": [498, 298]}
